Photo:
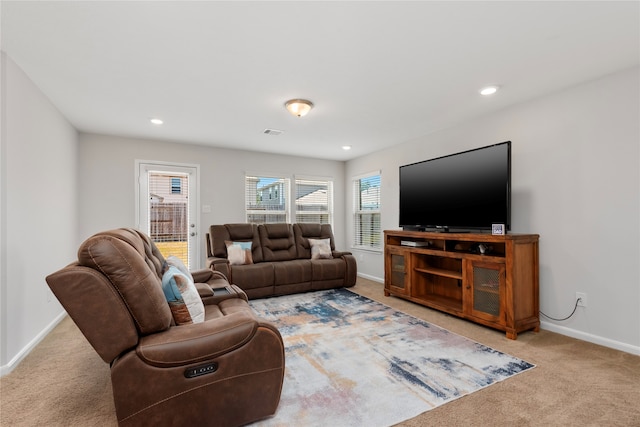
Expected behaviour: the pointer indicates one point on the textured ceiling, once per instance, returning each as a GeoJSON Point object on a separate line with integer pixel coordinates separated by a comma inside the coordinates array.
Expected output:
{"type": "Point", "coordinates": [379, 73]}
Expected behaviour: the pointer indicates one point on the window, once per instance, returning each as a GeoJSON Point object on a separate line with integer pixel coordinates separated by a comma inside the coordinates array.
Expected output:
{"type": "Point", "coordinates": [266, 199]}
{"type": "Point", "coordinates": [314, 201]}
{"type": "Point", "coordinates": [366, 209]}
{"type": "Point", "coordinates": [176, 186]}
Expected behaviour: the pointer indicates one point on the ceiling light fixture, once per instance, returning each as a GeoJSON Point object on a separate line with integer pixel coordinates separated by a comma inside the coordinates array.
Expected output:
{"type": "Point", "coordinates": [156, 121]}
{"type": "Point", "coordinates": [489, 90]}
{"type": "Point", "coordinates": [298, 107]}
{"type": "Point", "coordinates": [346, 147]}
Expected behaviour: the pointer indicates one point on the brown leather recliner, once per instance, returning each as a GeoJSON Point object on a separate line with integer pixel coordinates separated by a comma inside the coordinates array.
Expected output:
{"type": "Point", "coordinates": [225, 371]}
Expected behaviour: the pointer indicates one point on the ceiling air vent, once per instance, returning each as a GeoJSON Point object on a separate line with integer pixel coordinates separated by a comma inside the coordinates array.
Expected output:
{"type": "Point", "coordinates": [273, 132]}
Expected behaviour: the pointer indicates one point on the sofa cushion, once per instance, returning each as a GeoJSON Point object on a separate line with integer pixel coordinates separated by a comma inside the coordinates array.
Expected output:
{"type": "Point", "coordinates": [253, 276]}
{"type": "Point", "coordinates": [239, 253]}
{"type": "Point", "coordinates": [277, 242]}
{"type": "Point", "coordinates": [182, 297]}
{"type": "Point", "coordinates": [241, 232]}
{"type": "Point", "coordinates": [304, 231]}
{"type": "Point", "coordinates": [295, 271]}
{"type": "Point", "coordinates": [328, 269]}
{"type": "Point", "coordinates": [320, 248]}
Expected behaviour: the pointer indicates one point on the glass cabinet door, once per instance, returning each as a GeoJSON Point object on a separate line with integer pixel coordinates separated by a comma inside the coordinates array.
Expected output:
{"type": "Point", "coordinates": [396, 274]}
{"type": "Point", "coordinates": [398, 271]}
{"type": "Point", "coordinates": [487, 290]}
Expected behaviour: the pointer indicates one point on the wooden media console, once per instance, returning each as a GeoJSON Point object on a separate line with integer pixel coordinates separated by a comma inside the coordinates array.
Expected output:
{"type": "Point", "coordinates": [488, 279]}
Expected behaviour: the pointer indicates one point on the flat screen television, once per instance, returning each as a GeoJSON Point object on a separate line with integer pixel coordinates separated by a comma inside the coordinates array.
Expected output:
{"type": "Point", "coordinates": [467, 191]}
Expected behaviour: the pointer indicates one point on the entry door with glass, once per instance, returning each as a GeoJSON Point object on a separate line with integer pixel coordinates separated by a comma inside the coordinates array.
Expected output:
{"type": "Point", "coordinates": [167, 209]}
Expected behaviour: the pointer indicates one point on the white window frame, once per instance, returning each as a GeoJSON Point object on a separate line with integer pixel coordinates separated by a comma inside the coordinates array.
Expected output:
{"type": "Point", "coordinates": [283, 182]}
{"type": "Point", "coordinates": [324, 209]}
{"type": "Point", "coordinates": [362, 239]}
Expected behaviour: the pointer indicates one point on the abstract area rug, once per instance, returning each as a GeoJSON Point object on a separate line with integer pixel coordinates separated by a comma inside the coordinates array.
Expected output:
{"type": "Point", "coordinates": [351, 361]}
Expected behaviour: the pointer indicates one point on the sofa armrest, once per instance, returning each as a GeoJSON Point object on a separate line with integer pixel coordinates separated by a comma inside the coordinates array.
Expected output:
{"type": "Point", "coordinates": [214, 260]}
{"type": "Point", "coordinates": [213, 294]}
{"type": "Point", "coordinates": [205, 291]}
{"type": "Point", "coordinates": [351, 274]}
{"type": "Point", "coordinates": [209, 276]}
{"type": "Point", "coordinates": [340, 254]}
{"type": "Point", "coordinates": [186, 344]}
{"type": "Point", "coordinates": [220, 264]}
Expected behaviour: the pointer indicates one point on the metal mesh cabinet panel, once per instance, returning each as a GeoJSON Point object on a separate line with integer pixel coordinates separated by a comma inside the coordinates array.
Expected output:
{"type": "Point", "coordinates": [486, 290]}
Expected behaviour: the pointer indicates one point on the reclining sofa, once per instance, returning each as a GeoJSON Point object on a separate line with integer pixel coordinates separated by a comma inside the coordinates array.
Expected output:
{"type": "Point", "coordinates": [224, 368]}
{"type": "Point", "coordinates": [280, 259]}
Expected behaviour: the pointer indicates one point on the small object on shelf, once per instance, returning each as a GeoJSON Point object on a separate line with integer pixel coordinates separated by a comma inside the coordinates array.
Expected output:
{"type": "Point", "coordinates": [497, 229]}
{"type": "Point", "coordinates": [415, 244]}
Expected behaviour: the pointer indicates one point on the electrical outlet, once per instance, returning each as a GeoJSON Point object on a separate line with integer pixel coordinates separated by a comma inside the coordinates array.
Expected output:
{"type": "Point", "coordinates": [583, 299]}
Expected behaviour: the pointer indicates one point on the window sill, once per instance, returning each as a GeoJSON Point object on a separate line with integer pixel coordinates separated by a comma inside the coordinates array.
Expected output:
{"type": "Point", "coordinates": [367, 249]}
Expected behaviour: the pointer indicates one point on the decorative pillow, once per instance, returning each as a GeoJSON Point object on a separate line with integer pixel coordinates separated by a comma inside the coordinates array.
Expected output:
{"type": "Point", "coordinates": [177, 262]}
{"type": "Point", "coordinates": [320, 248]}
{"type": "Point", "coordinates": [239, 253]}
{"type": "Point", "coordinates": [182, 296]}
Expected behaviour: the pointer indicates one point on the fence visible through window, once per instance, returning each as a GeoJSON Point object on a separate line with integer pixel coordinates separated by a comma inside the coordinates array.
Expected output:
{"type": "Point", "coordinates": [169, 213]}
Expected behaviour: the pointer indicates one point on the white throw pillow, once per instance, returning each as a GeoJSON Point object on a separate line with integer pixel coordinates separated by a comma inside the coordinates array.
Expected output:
{"type": "Point", "coordinates": [320, 248]}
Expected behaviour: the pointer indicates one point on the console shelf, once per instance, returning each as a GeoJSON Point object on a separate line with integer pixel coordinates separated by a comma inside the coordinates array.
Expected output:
{"type": "Point", "coordinates": [491, 280]}
{"type": "Point", "coordinates": [440, 272]}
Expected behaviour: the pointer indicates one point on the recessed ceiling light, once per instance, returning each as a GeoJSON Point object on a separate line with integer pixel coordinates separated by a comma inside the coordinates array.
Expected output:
{"type": "Point", "coordinates": [156, 121]}
{"type": "Point", "coordinates": [346, 147]}
{"type": "Point", "coordinates": [489, 90]}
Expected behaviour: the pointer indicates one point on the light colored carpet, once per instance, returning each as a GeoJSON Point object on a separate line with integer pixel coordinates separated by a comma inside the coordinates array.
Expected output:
{"type": "Point", "coordinates": [63, 382]}
{"type": "Point", "coordinates": [351, 361]}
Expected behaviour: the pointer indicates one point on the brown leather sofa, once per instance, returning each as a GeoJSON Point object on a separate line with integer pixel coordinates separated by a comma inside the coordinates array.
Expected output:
{"type": "Point", "coordinates": [225, 371]}
{"type": "Point", "coordinates": [281, 258]}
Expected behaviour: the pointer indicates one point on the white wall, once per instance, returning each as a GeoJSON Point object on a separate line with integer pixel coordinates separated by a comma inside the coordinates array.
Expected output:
{"type": "Point", "coordinates": [38, 211]}
{"type": "Point", "coordinates": [575, 179]}
{"type": "Point", "coordinates": [107, 180]}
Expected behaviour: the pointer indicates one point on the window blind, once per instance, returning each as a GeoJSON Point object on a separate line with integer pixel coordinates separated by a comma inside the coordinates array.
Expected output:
{"type": "Point", "coordinates": [366, 212]}
{"type": "Point", "coordinates": [314, 201]}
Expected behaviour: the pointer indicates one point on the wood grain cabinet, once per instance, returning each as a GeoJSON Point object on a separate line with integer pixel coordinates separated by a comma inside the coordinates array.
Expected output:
{"type": "Point", "coordinates": [491, 280]}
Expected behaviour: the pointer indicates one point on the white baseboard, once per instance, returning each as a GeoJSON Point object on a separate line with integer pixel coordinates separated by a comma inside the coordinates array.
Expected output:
{"type": "Point", "coordinates": [595, 339]}
{"type": "Point", "coordinates": [6, 369]}
{"type": "Point", "coordinates": [373, 278]}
